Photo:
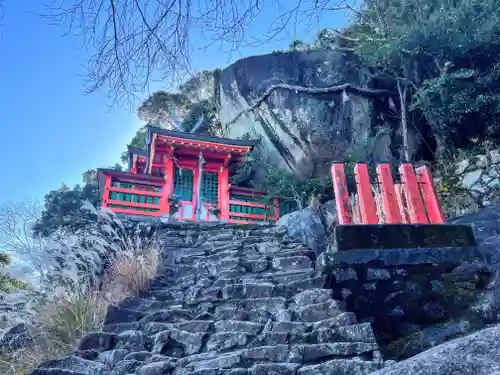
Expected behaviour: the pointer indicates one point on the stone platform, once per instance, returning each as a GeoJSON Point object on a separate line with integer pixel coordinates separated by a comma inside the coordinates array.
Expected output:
{"type": "Point", "coordinates": [402, 277]}
{"type": "Point", "coordinates": [400, 236]}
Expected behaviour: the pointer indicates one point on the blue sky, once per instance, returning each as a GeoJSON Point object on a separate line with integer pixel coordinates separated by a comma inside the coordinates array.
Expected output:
{"type": "Point", "coordinates": [50, 131]}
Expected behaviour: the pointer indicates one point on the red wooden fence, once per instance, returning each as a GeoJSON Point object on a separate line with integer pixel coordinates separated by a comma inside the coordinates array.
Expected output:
{"type": "Point", "coordinates": [140, 194]}
{"type": "Point", "coordinates": [413, 201]}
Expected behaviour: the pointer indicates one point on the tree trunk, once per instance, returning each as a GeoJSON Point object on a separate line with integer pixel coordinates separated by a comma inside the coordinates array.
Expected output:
{"type": "Point", "coordinates": [402, 92]}
{"type": "Point", "coordinates": [441, 142]}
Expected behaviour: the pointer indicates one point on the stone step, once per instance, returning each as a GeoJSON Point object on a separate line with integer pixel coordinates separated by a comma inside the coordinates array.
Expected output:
{"type": "Point", "coordinates": [284, 252]}
{"type": "Point", "coordinates": [341, 367]}
{"type": "Point", "coordinates": [225, 340]}
{"type": "Point", "coordinates": [275, 277]}
{"type": "Point", "coordinates": [340, 319]}
{"type": "Point", "coordinates": [311, 296]}
{"type": "Point", "coordinates": [170, 315]}
{"type": "Point", "coordinates": [291, 289]}
{"type": "Point", "coordinates": [239, 326]}
{"type": "Point", "coordinates": [329, 309]}
{"type": "Point", "coordinates": [292, 263]}
{"type": "Point", "coordinates": [304, 353]}
{"type": "Point", "coordinates": [252, 305]}
{"type": "Point", "coordinates": [141, 304]}
{"type": "Point", "coordinates": [247, 290]}
{"type": "Point", "coordinates": [212, 249]}
{"type": "Point", "coordinates": [361, 332]}
{"type": "Point", "coordinates": [117, 314]}
{"type": "Point", "coordinates": [120, 327]}
{"type": "Point", "coordinates": [166, 295]}
{"type": "Point", "coordinates": [216, 362]}
{"type": "Point", "coordinates": [194, 326]}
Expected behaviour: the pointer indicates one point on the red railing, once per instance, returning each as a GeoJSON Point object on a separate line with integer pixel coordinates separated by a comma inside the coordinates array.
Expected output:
{"type": "Point", "coordinates": [134, 194]}
{"type": "Point", "coordinates": [250, 206]}
{"type": "Point", "coordinates": [412, 201]}
{"type": "Point", "coordinates": [139, 194]}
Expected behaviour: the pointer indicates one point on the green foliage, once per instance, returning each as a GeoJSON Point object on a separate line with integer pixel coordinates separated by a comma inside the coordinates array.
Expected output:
{"type": "Point", "coordinates": [9, 284]}
{"type": "Point", "coordinates": [211, 124]}
{"type": "Point", "coordinates": [138, 141]}
{"type": "Point", "coordinates": [444, 53]}
{"type": "Point", "coordinates": [194, 83]}
{"type": "Point", "coordinates": [251, 162]}
{"type": "Point", "coordinates": [295, 44]}
{"type": "Point", "coordinates": [62, 206]}
{"type": "Point", "coordinates": [157, 108]}
{"type": "Point", "coordinates": [452, 101]}
{"type": "Point", "coordinates": [281, 182]}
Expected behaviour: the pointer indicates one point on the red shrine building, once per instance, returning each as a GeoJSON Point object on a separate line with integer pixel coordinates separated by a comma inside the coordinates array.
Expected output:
{"type": "Point", "coordinates": [187, 177]}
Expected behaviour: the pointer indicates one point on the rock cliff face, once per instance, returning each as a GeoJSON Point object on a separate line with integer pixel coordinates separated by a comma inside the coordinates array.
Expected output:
{"type": "Point", "coordinates": [299, 127]}
{"type": "Point", "coordinates": [229, 300]}
{"type": "Point", "coordinates": [301, 130]}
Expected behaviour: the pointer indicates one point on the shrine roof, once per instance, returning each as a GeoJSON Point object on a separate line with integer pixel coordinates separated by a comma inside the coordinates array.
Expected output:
{"type": "Point", "coordinates": [201, 138]}
{"type": "Point", "coordinates": [136, 150]}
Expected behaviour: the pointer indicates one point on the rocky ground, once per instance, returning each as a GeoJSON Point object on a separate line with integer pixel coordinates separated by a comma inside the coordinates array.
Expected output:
{"type": "Point", "coordinates": [228, 300]}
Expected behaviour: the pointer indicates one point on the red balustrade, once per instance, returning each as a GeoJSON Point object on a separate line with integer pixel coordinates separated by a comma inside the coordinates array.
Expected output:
{"type": "Point", "coordinates": [412, 201]}
{"type": "Point", "coordinates": [140, 194]}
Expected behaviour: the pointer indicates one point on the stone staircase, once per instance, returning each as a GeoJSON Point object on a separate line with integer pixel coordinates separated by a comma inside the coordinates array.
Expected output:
{"type": "Point", "coordinates": [229, 300]}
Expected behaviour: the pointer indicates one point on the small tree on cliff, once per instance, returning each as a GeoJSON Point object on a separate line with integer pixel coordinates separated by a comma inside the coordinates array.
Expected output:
{"type": "Point", "coordinates": [442, 57]}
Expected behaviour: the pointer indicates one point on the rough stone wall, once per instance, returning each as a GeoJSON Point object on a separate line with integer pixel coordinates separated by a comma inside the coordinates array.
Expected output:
{"type": "Point", "coordinates": [228, 300]}
{"type": "Point", "coordinates": [401, 291]}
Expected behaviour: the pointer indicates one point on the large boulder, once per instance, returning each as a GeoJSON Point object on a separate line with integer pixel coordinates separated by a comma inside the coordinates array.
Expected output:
{"type": "Point", "coordinates": [476, 354]}
{"type": "Point", "coordinates": [486, 226]}
{"type": "Point", "coordinates": [306, 226]}
{"type": "Point", "coordinates": [15, 337]}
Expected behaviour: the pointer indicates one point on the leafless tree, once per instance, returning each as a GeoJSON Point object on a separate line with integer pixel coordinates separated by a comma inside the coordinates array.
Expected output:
{"type": "Point", "coordinates": [137, 41]}
{"type": "Point", "coordinates": [16, 232]}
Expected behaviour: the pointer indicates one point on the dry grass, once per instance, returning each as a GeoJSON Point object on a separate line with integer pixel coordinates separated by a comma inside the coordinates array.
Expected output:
{"type": "Point", "coordinates": [379, 205]}
{"type": "Point", "coordinates": [356, 212]}
{"type": "Point", "coordinates": [131, 272]}
{"type": "Point", "coordinates": [62, 321]}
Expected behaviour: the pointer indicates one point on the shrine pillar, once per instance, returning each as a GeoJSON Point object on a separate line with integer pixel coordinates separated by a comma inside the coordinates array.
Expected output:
{"type": "Point", "coordinates": [223, 193]}
{"type": "Point", "coordinates": [168, 187]}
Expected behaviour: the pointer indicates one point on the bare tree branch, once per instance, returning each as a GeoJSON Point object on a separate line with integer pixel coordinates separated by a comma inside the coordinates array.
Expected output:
{"type": "Point", "coordinates": [348, 87]}
{"type": "Point", "coordinates": [16, 220]}
{"type": "Point", "coordinates": [135, 42]}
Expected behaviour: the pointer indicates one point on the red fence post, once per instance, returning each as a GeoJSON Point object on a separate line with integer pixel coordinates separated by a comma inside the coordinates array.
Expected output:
{"type": "Point", "coordinates": [366, 201]}
{"type": "Point", "coordinates": [412, 194]}
{"type": "Point", "coordinates": [388, 192]}
{"type": "Point", "coordinates": [431, 200]}
{"type": "Point", "coordinates": [341, 194]}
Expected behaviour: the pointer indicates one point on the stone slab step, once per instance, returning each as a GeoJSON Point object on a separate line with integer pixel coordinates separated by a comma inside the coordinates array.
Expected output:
{"type": "Point", "coordinates": [271, 305]}
{"type": "Point", "coordinates": [318, 311]}
{"type": "Point", "coordinates": [239, 326]}
{"type": "Point", "coordinates": [194, 326]}
{"type": "Point", "coordinates": [292, 263]}
{"type": "Point", "coordinates": [341, 319]}
{"type": "Point", "coordinates": [247, 290]}
{"type": "Point", "coordinates": [361, 332]}
{"type": "Point", "coordinates": [222, 341]}
{"type": "Point", "coordinates": [275, 277]}
{"type": "Point", "coordinates": [341, 367]}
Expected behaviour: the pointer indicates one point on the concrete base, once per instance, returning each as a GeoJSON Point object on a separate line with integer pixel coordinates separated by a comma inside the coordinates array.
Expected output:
{"type": "Point", "coordinates": [401, 290]}
{"type": "Point", "coordinates": [401, 236]}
